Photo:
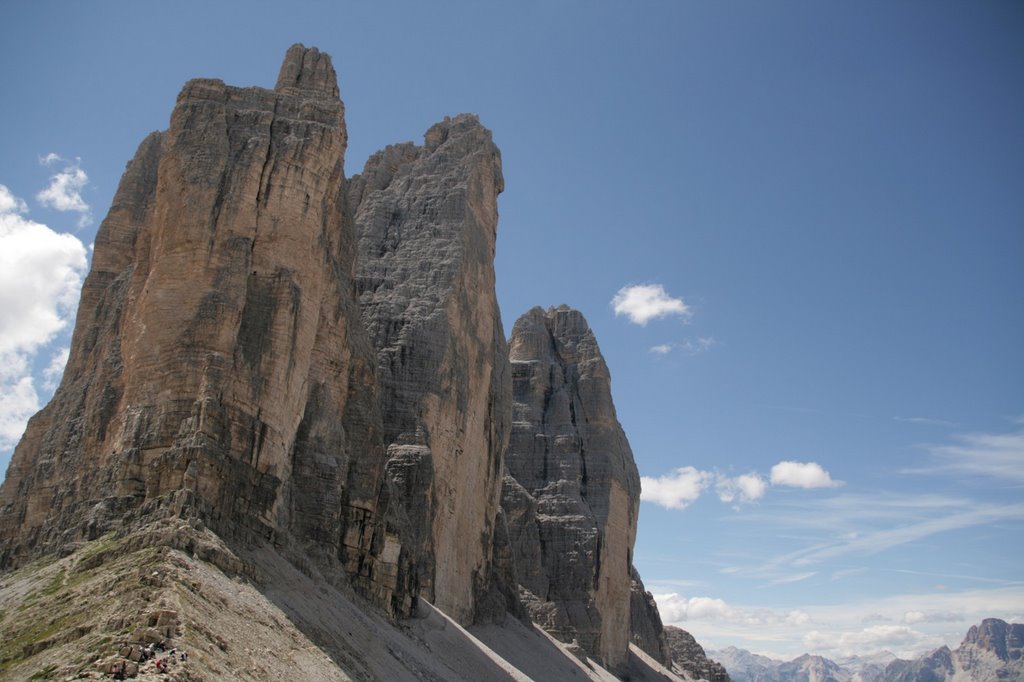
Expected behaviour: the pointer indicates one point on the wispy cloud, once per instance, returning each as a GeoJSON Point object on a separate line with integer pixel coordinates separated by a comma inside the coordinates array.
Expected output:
{"type": "Point", "coordinates": [912, 617]}
{"type": "Point", "coordinates": [872, 541]}
{"type": "Point", "coordinates": [794, 578]}
{"type": "Point", "coordinates": [998, 456]}
{"type": "Point", "coordinates": [689, 346]}
{"type": "Point", "coordinates": [64, 193]}
{"type": "Point", "coordinates": [925, 420]}
{"type": "Point", "coordinates": [744, 488]}
{"type": "Point", "coordinates": [642, 303]}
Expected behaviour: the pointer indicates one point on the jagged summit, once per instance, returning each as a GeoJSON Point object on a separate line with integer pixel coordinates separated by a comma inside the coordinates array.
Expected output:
{"type": "Point", "coordinates": [571, 498]}
{"type": "Point", "coordinates": [308, 70]}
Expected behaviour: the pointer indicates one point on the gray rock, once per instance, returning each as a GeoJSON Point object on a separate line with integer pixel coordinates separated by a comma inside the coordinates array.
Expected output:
{"type": "Point", "coordinates": [426, 219]}
{"type": "Point", "coordinates": [689, 659]}
{"type": "Point", "coordinates": [646, 630]}
{"type": "Point", "coordinates": [571, 505]}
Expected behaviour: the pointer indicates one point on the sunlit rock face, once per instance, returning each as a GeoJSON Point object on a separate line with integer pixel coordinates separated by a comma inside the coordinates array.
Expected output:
{"type": "Point", "coordinates": [572, 494]}
{"type": "Point", "coordinates": [317, 365]}
{"type": "Point", "coordinates": [219, 362]}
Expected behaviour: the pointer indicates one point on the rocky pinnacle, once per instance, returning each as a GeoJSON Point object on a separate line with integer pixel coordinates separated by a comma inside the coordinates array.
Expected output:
{"type": "Point", "coordinates": [572, 494]}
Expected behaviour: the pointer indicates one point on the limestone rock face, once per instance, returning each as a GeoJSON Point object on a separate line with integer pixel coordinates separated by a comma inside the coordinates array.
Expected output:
{"type": "Point", "coordinates": [426, 219]}
{"type": "Point", "coordinates": [218, 347]}
{"type": "Point", "coordinates": [645, 626]}
{"type": "Point", "coordinates": [317, 367]}
{"type": "Point", "coordinates": [689, 659]}
{"type": "Point", "coordinates": [572, 494]}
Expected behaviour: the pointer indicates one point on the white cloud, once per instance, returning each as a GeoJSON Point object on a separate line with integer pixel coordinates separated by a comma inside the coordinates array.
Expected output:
{"type": "Point", "coordinates": [18, 398]}
{"type": "Point", "coordinates": [802, 475]}
{"type": "Point", "coordinates": [685, 485]}
{"type": "Point", "coordinates": [857, 626]}
{"type": "Point", "coordinates": [745, 488]}
{"type": "Point", "coordinates": [675, 608]}
{"type": "Point", "coordinates": [55, 370]}
{"type": "Point", "coordinates": [645, 302]}
{"type": "Point", "coordinates": [912, 617]}
{"type": "Point", "coordinates": [40, 281]}
{"type": "Point", "coordinates": [662, 349]}
{"type": "Point", "coordinates": [898, 638]}
{"type": "Point", "coordinates": [40, 278]}
{"type": "Point", "coordinates": [64, 193]}
{"type": "Point", "coordinates": [676, 490]}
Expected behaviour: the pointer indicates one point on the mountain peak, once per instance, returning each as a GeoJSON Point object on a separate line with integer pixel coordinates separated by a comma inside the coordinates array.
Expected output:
{"type": "Point", "coordinates": [307, 70]}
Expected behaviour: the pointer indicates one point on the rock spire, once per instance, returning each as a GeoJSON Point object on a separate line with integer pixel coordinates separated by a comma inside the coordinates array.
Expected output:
{"type": "Point", "coordinates": [316, 367]}
{"type": "Point", "coordinates": [572, 492]}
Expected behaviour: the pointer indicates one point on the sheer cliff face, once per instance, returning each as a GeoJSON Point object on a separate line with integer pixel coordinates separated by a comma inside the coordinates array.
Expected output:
{"type": "Point", "coordinates": [223, 359]}
{"type": "Point", "coordinates": [218, 347]}
{"type": "Point", "coordinates": [573, 489]}
{"type": "Point", "coordinates": [427, 219]}
{"type": "Point", "coordinates": [319, 364]}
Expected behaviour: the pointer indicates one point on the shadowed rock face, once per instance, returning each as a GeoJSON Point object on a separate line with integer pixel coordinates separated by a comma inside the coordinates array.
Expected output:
{"type": "Point", "coordinates": [572, 493]}
{"type": "Point", "coordinates": [645, 627]}
{"type": "Point", "coordinates": [427, 223]}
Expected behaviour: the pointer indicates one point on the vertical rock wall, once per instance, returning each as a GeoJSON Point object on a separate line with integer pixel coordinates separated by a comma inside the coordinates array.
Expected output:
{"type": "Point", "coordinates": [218, 348]}
{"type": "Point", "coordinates": [427, 220]}
{"type": "Point", "coordinates": [320, 364]}
{"type": "Point", "coordinates": [573, 490]}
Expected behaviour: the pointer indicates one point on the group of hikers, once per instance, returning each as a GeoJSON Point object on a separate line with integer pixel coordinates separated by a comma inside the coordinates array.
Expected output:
{"type": "Point", "coordinates": [119, 670]}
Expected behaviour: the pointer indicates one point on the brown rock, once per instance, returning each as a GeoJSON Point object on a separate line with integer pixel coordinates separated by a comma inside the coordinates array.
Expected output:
{"type": "Point", "coordinates": [218, 349]}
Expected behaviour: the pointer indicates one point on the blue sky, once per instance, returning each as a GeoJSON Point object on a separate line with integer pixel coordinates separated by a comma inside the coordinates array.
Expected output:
{"type": "Point", "coordinates": [824, 202]}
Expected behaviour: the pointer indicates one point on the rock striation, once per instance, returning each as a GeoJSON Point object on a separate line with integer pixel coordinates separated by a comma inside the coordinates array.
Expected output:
{"type": "Point", "coordinates": [217, 355]}
{"type": "Point", "coordinates": [646, 629]}
{"type": "Point", "coordinates": [309, 372]}
{"type": "Point", "coordinates": [689, 659]}
{"type": "Point", "coordinates": [219, 362]}
{"type": "Point", "coordinates": [426, 219]}
{"type": "Point", "coordinates": [572, 491]}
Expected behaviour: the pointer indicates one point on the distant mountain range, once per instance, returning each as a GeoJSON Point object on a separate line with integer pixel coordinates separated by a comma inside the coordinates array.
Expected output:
{"type": "Point", "coordinates": [992, 651]}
